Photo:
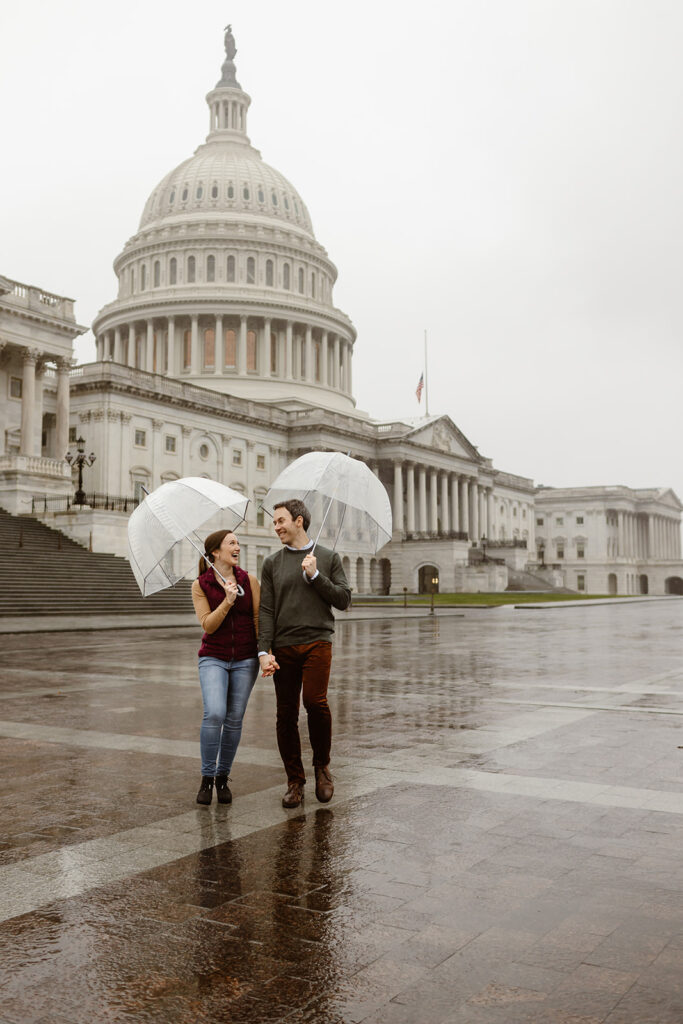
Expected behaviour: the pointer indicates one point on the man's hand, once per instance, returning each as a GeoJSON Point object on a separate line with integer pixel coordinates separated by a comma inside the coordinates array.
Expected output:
{"type": "Point", "coordinates": [310, 566]}
{"type": "Point", "coordinates": [268, 664]}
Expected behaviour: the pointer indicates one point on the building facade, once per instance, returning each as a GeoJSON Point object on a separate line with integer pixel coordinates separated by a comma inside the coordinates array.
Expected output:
{"type": "Point", "coordinates": [223, 355]}
{"type": "Point", "coordinates": [611, 540]}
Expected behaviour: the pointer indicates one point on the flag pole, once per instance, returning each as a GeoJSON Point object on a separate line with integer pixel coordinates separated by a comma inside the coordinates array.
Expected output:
{"type": "Point", "coordinates": [426, 380]}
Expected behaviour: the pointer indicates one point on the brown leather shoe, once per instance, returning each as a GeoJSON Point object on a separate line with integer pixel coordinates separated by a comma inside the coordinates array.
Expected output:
{"type": "Point", "coordinates": [294, 795]}
{"type": "Point", "coordinates": [324, 786]}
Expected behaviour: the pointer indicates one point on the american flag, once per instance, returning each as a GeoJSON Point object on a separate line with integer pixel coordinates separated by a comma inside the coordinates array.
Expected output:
{"type": "Point", "coordinates": [420, 386]}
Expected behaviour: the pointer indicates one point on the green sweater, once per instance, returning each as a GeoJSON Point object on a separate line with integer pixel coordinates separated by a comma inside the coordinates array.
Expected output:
{"type": "Point", "coordinates": [294, 611]}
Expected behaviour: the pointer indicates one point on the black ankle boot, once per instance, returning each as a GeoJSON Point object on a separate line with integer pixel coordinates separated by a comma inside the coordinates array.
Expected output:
{"type": "Point", "coordinates": [205, 790]}
{"type": "Point", "coordinates": [223, 789]}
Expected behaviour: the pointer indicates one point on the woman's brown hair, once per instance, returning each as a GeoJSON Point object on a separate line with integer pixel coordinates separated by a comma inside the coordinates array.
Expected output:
{"type": "Point", "coordinates": [213, 541]}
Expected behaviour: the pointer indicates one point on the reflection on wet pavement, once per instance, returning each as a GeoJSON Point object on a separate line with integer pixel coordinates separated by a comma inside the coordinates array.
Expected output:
{"type": "Point", "coordinates": [503, 846]}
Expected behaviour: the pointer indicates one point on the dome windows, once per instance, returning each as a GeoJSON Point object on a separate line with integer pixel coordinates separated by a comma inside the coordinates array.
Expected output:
{"type": "Point", "coordinates": [191, 269]}
{"type": "Point", "coordinates": [261, 196]}
{"type": "Point", "coordinates": [231, 191]}
{"type": "Point", "coordinates": [286, 202]}
{"type": "Point", "coordinates": [171, 198]}
{"type": "Point", "coordinates": [286, 277]}
{"type": "Point", "coordinates": [296, 207]}
{"type": "Point", "coordinates": [231, 269]}
{"type": "Point", "coordinates": [273, 197]}
{"type": "Point", "coordinates": [251, 270]}
{"type": "Point", "coordinates": [251, 351]}
{"type": "Point", "coordinates": [269, 273]}
{"type": "Point", "coordinates": [210, 268]}
{"type": "Point", "coordinates": [200, 192]}
{"type": "Point", "coordinates": [209, 348]}
{"type": "Point", "coordinates": [301, 280]}
{"type": "Point", "coordinates": [173, 271]}
{"type": "Point", "coordinates": [214, 191]}
{"type": "Point", "coordinates": [245, 192]}
{"type": "Point", "coordinates": [143, 277]}
{"type": "Point", "coordinates": [184, 194]}
{"type": "Point", "coordinates": [313, 285]}
{"type": "Point", "coordinates": [230, 349]}
{"type": "Point", "coordinates": [157, 273]}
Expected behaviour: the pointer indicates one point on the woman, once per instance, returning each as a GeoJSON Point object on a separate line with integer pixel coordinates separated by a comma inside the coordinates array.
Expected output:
{"type": "Point", "coordinates": [228, 664]}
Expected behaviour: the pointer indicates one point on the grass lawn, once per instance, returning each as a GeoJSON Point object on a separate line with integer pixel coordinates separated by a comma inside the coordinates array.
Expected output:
{"type": "Point", "coordinates": [506, 597]}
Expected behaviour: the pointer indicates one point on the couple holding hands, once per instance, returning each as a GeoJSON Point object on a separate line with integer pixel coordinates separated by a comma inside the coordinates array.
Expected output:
{"type": "Point", "coordinates": [286, 625]}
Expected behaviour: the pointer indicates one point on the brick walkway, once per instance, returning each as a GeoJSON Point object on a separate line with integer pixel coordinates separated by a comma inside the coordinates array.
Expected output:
{"type": "Point", "coordinates": [504, 845]}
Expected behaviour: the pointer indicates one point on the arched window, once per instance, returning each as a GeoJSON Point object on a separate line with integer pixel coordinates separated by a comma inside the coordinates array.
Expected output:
{"type": "Point", "coordinates": [286, 283]}
{"type": "Point", "coordinates": [313, 285]}
{"type": "Point", "coordinates": [261, 196]}
{"type": "Point", "coordinates": [251, 350]}
{"type": "Point", "coordinates": [301, 280]}
{"type": "Point", "coordinates": [191, 269]}
{"type": "Point", "coordinates": [245, 192]}
{"type": "Point", "coordinates": [143, 277]}
{"type": "Point", "coordinates": [214, 191]}
{"type": "Point", "coordinates": [184, 194]}
{"type": "Point", "coordinates": [269, 273]}
{"type": "Point", "coordinates": [273, 352]}
{"type": "Point", "coordinates": [210, 268]}
{"type": "Point", "coordinates": [230, 348]}
{"type": "Point", "coordinates": [200, 192]}
{"type": "Point", "coordinates": [251, 270]}
{"type": "Point", "coordinates": [209, 348]}
{"type": "Point", "coordinates": [187, 350]}
{"type": "Point", "coordinates": [231, 268]}
{"type": "Point", "coordinates": [157, 273]}
{"type": "Point", "coordinates": [231, 191]}
{"type": "Point", "coordinates": [273, 196]}
{"type": "Point", "coordinates": [173, 271]}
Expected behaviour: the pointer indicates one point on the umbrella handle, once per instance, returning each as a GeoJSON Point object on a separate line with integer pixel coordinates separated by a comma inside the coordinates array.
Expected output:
{"type": "Point", "coordinates": [240, 590]}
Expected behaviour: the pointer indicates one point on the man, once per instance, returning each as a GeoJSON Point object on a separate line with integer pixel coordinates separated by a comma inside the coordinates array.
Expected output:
{"type": "Point", "coordinates": [296, 625]}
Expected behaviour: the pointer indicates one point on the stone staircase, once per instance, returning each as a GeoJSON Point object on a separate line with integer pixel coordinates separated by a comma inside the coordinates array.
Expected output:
{"type": "Point", "coordinates": [519, 580]}
{"type": "Point", "coordinates": [43, 572]}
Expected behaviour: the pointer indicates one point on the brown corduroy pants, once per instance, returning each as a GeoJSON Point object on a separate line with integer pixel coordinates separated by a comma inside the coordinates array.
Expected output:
{"type": "Point", "coordinates": [304, 668]}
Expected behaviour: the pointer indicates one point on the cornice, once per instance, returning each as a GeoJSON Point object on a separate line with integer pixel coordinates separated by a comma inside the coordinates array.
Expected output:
{"type": "Point", "coordinates": [68, 327]}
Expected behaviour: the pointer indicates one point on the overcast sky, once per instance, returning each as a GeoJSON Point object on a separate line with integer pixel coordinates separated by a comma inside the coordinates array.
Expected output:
{"type": "Point", "coordinates": [506, 174]}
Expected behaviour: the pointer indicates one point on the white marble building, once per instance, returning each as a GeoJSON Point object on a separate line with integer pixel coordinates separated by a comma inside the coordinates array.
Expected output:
{"type": "Point", "coordinates": [37, 330]}
{"type": "Point", "coordinates": [224, 355]}
{"type": "Point", "coordinates": [612, 540]}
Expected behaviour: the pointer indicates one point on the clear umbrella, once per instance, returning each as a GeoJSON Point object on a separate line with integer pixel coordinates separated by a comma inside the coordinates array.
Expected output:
{"type": "Point", "coordinates": [169, 517]}
{"type": "Point", "coordinates": [349, 505]}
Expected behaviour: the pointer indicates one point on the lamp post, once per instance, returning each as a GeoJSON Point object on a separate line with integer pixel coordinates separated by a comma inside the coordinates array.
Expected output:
{"type": "Point", "coordinates": [483, 550]}
{"type": "Point", "coordinates": [80, 459]}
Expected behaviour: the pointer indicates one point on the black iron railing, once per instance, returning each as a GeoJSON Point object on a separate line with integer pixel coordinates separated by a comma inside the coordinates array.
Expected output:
{"type": "Point", "coordinates": [63, 503]}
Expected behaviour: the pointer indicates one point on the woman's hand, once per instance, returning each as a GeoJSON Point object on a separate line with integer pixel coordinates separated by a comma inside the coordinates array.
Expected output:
{"type": "Point", "coordinates": [269, 665]}
{"type": "Point", "coordinates": [230, 588]}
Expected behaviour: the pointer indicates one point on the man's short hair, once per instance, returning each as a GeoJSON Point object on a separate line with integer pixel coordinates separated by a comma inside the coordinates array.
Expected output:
{"type": "Point", "coordinates": [296, 508]}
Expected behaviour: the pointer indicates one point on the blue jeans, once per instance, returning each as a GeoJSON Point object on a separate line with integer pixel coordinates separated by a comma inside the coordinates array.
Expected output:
{"type": "Point", "coordinates": [226, 688]}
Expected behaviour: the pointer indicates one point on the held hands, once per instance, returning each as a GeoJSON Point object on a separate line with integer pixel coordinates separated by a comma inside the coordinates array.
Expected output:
{"type": "Point", "coordinates": [310, 566]}
{"type": "Point", "coordinates": [268, 664]}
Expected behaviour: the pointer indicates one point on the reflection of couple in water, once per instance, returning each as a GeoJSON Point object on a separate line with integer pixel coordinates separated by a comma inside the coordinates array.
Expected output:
{"type": "Point", "coordinates": [285, 623]}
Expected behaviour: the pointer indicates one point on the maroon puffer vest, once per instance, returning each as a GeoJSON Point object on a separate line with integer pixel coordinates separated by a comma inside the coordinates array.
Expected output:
{"type": "Point", "coordinates": [235, 638]}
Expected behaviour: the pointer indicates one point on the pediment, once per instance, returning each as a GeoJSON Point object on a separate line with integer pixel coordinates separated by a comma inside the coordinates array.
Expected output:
{"type": "Point", "coordinates": [443, 435]}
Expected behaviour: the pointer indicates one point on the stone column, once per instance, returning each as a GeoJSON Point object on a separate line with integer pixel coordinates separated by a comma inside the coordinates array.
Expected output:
{"type": "Point", "coordinates": [398, 497]}
{"type": "Point", "coordinates": [308, 356]}
{"type": "Point", "coordinates": [465, 505]}
{"type": "Point", "coordinates": [219, 358]}
{"type": "Point", "coordinates": [149, 348]}
{"type": "Point", "coordinates": [38, 414]}
{"type": "Point", "coordinates": [195, 354]}
{"type": "Point", "coordinates": [434, 501]}
{"type": "Point", "coordinates": [455, 511]}
{"type": "Point", "coordinates": [28, 400]}
{"type": "Point", "coordinates": [99, 348]}
{"type": "Point", "coordinates": [131, 345]}
{"type": "Point", "coordinates": [289, 355]}
{"type": "Point", "coordinates": [118, 353]}
{"type": "Point", "coordinates": [336, 358]}
{"type": "Point", "coordinates": [241, 359]}
{"type": "Point", "coordinates": [263, 362]}
{"type": "Point", "coordinates": [422, 501]}
{"type": "Point", "coordinates": [324, 360]}
{"type": "Point", "coordinates": [410, 498]}
{"type": "Point", "coordinates": [620, 534]}
{"type": "Point", "coordinates": [445, 515]}
{"type": "Point", "coordinates": [483, 525]}
{"type": "Point", "coordinates": [62, 429]}
{"type": "Point", "coordinates": [349, 367]}
{"type": "Point", "coordinates": [474, 511]}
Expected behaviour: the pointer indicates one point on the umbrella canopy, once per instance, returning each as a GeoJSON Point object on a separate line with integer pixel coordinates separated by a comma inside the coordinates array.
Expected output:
{"type": "Point", "coordinates": [349, 506]}
{"type": "Point", "coordinates": [167, 517]}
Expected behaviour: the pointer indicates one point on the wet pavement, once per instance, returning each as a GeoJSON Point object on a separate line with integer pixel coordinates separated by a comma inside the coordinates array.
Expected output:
{"type": "Point", "coordinates": [504, 844]}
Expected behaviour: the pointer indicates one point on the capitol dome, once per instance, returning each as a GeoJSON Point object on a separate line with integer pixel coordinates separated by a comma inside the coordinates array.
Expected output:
{"type": "Point", "coordinates": [224, 281]}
